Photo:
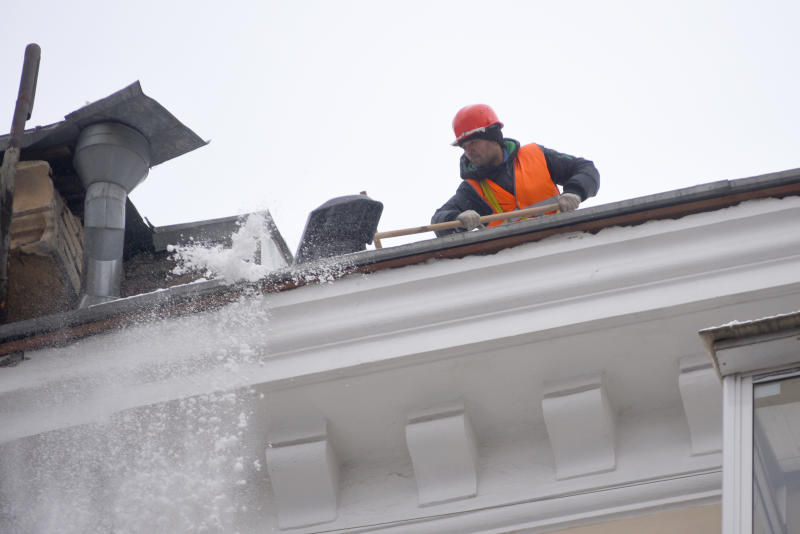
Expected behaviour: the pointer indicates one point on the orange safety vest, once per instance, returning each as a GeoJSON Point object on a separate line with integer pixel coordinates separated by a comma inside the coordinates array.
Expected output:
{"type": "Point", "coordinates": [532, 184]}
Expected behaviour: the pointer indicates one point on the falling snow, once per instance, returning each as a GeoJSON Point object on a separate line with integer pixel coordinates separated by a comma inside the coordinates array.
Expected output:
{"type": "Point", "coordinates": [180, 465]}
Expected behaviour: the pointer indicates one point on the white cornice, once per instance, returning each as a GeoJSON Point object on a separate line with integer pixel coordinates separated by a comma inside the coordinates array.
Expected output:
{"type": "Point", "coordinates": [562, 511]}
{"type": "Point", "coordinates": [560, 282]}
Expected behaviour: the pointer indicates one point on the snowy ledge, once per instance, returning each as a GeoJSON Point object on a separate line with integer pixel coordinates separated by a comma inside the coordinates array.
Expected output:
{"type": "Point", "coordinates": [749, 346]}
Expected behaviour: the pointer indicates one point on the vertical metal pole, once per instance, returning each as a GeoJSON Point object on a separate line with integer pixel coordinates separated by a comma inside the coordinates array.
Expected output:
{"type": "Point", "coordinates": [22, 112]}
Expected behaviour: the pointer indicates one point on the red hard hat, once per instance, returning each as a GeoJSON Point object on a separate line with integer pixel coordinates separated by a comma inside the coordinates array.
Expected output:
{"type": "Point", "coordinates": [472, 119]}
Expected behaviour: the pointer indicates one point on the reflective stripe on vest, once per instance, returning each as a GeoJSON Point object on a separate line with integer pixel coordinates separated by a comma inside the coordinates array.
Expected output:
{"type": "Point", "coordinates": [486, 189]}
{"type": "Point", "coordinates": [532, 183]}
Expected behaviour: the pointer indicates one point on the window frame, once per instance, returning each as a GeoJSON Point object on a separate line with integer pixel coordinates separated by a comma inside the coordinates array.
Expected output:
{"type": "Point", "coordinates": [737, 454]}
{"type": "Point", "coordinates": [738, 446]}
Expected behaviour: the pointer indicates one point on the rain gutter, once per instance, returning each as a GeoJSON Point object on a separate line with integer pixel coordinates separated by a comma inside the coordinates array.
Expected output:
{"type": "Point", "coordinates": [192, 298]}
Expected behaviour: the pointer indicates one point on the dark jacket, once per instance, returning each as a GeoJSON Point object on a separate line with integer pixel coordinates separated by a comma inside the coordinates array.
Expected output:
{"type": "Point", "coordinates": [575, 175]}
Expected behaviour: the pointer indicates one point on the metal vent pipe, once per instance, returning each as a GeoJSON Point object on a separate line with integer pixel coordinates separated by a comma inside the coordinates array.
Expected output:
{"type": "Point", "coordinates": [111, 160]}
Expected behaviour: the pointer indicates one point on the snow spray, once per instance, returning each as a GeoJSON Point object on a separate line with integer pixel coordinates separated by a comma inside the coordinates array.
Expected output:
{"type": "Point", "coordinates": [175, 458]}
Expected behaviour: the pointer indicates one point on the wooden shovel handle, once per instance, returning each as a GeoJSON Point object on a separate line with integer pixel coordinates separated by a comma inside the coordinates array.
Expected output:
{"type": "Point", "coordinates": [527, 212]}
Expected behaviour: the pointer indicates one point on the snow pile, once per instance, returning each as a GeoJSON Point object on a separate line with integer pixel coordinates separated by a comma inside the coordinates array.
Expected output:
{"type": "Point", "coordinates": [252, 256]}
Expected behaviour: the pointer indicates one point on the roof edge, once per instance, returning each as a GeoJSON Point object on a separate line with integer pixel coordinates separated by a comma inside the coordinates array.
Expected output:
{"type": "Point", "coordinates": [180, 300]}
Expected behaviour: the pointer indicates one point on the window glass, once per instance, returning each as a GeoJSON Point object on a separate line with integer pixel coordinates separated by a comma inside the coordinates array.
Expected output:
{"type": "Point", "coordinates": [776, 456]}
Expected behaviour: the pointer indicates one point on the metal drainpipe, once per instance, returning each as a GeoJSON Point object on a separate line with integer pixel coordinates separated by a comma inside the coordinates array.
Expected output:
{"type": "Point", "coordinates": [111, 160]}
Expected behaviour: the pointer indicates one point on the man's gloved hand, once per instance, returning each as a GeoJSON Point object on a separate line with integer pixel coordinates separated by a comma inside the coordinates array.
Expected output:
{"type": "Point", "coordinates": [568, 202]}
{"type": "Point", "coordinates": [470, 219]}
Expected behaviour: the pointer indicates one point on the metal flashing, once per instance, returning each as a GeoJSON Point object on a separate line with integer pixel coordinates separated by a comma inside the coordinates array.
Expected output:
{"type": "Point", "coordinates": [750, 346]}
{"type": "Point", "coordinates": [753, 331]}
{"type": "Point", "coordinates": [167, 136]}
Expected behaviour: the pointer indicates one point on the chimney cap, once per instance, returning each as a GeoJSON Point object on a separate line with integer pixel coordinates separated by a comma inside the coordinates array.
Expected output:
{"type": "Point", "coordinates": [167, 136]}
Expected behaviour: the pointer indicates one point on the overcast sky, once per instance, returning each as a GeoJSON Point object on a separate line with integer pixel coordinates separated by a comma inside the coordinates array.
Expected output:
{"type": "Point", "coordinates": [304, 101]}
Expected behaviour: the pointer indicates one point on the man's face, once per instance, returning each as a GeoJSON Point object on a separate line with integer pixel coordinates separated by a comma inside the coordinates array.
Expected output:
{"type": "Point", "coordinates": [482, 152]}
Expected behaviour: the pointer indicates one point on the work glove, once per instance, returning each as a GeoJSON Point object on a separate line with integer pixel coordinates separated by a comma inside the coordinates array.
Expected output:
{"type": "Point", "coordinates": [470, 219]}
{"type": "Point", "coordinates": [568, 202]}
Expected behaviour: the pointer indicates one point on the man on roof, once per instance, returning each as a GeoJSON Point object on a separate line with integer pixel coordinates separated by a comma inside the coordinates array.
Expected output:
{"type": "Point", "coordinates": [499, 175]}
